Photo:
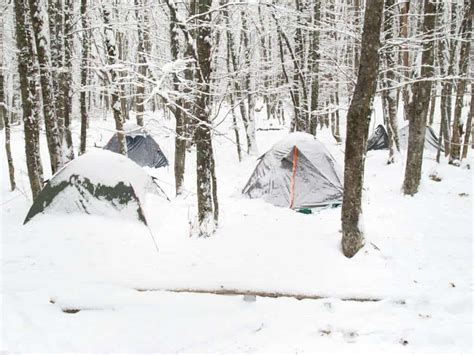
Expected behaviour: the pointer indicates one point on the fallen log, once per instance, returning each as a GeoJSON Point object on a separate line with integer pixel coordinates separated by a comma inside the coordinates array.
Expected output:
{"type": "Point", "coordinates": [235, 292]}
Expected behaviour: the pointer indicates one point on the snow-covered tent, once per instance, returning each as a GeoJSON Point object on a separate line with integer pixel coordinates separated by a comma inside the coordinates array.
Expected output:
{"type": "Point", "coordinates": [296, 172]}
{"type": "Point", "coordinates": [431, 139]}
{"type": "Point", "coordinates": [379, 139]}
{"type": "Point", "coordinates": [141, 147]}
{"type": "Point", "coordinates": [97, 183]}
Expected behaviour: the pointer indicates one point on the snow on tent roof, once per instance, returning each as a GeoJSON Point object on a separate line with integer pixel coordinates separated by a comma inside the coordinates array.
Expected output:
{"type": "Point", "coordinates": [99, 183]}
{"type": "Point", "coordinates": [296, 172]}
{"type": "Point", "coordinates": [141, 147]}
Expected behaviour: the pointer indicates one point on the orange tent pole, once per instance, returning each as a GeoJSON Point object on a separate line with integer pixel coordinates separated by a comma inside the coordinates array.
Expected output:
{"type": "Point", "coordinates": [293, 177]}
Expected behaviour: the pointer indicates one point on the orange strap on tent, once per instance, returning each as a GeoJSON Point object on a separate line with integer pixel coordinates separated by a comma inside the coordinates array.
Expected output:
{"type": "Point", "coordinates": [293, 177]}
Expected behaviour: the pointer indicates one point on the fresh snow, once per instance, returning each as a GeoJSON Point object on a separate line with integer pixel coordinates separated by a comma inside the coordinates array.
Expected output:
{"type": "Point", "coordinates": [417, 260]}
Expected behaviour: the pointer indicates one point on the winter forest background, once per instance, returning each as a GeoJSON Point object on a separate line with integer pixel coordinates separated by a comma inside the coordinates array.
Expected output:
{"type": "Point", "coordinates": [217, 83]}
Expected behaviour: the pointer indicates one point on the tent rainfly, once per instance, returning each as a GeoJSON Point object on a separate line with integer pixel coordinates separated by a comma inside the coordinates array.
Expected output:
{"type": "Point", "coordinates": [297, 172]}
{"type": "Point", "coordinates": [379, 139]}
{"type": "Point", "coordinates": [97, 183]}
{"type": "Point", "coordinates": [141, 147]}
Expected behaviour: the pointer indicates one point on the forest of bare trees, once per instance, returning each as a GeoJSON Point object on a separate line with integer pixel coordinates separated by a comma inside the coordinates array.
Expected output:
{"type": "Point", "coordinates": [312, 64]}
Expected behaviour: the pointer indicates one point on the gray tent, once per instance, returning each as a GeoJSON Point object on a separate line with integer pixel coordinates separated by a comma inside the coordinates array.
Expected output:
{"type": "Point", "coordinates": [431, 139]}
{"type": "Point", "coordinates": [97, 183]}
{"type": "Point", "coordinates": [379, 139]}
{"type": "Point", "coordinates": [297, 172]}
{"type": "Point", "coordinates": [141, 147]}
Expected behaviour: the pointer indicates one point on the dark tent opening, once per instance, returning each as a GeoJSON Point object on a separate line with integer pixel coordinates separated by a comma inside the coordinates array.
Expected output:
{"type": "Point", "coordinates": [141, 148]}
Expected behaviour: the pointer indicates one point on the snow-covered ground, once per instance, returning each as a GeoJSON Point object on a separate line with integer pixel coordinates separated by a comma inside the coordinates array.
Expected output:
{"type": "Point", "coordinates": [408, 290]}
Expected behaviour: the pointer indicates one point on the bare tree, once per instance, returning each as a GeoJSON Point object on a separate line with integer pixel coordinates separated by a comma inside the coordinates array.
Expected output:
{"type": "Point", "coordinates": [208, 210]}
{"type": "Point", "coordinates": [358, 118]}
{"type": "Point", "coordinates": [418, 106]}
{"type": "Point", "coordinates": [466, 30]}
{"type": "Point", "coordinates": [469, 125]}
{"type": "Point", "coordinates": [111, 48]}
{"type": "Point", "coordinates": [389, 95]}
{"type": "Point", "coordinates": [40, 30]}
{"type": "Point", "coordinates": [85, 44]}
{"type": "Point", "coordinates": [143, 44]}
{"type": "Point", "coordinates": [3, 113]}
{"type": "Point", "coordinates": [65, 79]}
{"type": "Point", "coordinates": [27, 72]}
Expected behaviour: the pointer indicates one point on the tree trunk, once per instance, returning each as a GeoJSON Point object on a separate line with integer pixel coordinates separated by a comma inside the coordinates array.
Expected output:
{"type": "Point", "coordinates": [468, 129]}
{"type": "Point", "coordinates": [404, 12]}
{"type": "Point", "coordinates": [237, 86]}
{"type": "Point", "coordinates": [182, 108]}
{"type": "Point", "coordinates": [84, 71]}
{"type": "Point", "coordinates": [466, 27]}
{"type": "Point", "coordinates": [65, 80]}
{"type": "Point", "coordinates": [358, 119]}
{"type": "Point", "coordinates": [44, 59]}
{"type": "Point", "coordinates": [206, 180]}
{"type": "Point", "coordinates": [111, 49]}
{"type": "Point", "coordinates": [27, 72]}
{"type": "Point", "coordinates": [250, 127]}
{"type": "Point", "coordinates": [418, 107]}
{"type": "Point", "coordinates": [232, 103]}
{"type": "Point", "coordinates": [432, 107]}
{"type": "Point", "coordinates": [4, 118]}
{"type": "Point", "coordinates": [315, 56]}
{"type": "Point", "coordinates": [143, 39]}
{"type": "Point", "coordinates": [390, 93]}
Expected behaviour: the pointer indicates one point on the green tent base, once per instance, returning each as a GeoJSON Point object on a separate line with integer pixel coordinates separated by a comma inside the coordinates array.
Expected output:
{"type": "Point", "coordinates": [308, 210]}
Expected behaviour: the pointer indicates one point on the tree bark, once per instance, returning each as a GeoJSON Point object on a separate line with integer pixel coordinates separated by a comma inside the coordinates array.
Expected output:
{"type": "Point", "coordinates": [65, 80]}
{"type": "Point", "coordinates": [231, 96]}
{"type": "Point", "coordinates": [358, 119]}
{"type": "Point", "coordinates": [143, 39]}
{"type": "Point", "coordinates": [468, 129]}
{"type": "Point", "coordinates": [4, 118]}
{"type": "Point", "coordinates": [315, 57]}
{"type": "Point", "coordinates": [466, 27]}
{"type": "Point", "coordinates": [208, 211]}
{"type": "Point", "coordinates": [247, 85]}
{"type": "Point", "coordinates": [111, 49]}
{"type": "Point", "coordinates": [39, 26]}
{"type": "Point", "coordinates": [84, 73]}
{"type": "Point", "coordinates": [390, 93]}
{"type": "Point", "coordinates": [27, 72]}
{"type": "Point", "coordinates": [418, 107]}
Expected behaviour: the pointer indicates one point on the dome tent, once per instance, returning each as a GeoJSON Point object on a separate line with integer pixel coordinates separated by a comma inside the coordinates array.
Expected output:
{"type": "Point", "coordinates": [97, 183]}
{"type": "Point", "coordinates": [431, 139]}
{"type": "Point", "coordinates": [297, 172]}
{"type": "Point", "coordinates": [141, 147]}
{"type": "Point", "coordinates": [379, 139]}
